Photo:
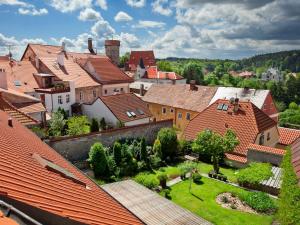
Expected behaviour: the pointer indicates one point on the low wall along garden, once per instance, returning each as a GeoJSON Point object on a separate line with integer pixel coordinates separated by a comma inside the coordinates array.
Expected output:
{"type": "Point", "coordinates": [76, 148]}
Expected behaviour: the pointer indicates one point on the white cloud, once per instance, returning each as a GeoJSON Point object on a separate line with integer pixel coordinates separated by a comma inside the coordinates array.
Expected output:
{"type": "Point", "coordinates": [158, 7]}
{"type": "Point", "coordinates": [122, 17]}
{"type": "Point", "coordinates": [13, 2]}
{"type": "Point", "coordinates": [102, 29]}
{"type": "Point", "coordinates": [102, 4]}
{"type": "Point", "coordinates": [89, 14]}
{"type": "Point", "coordinates": [70, 5]}
{"type": "Point", "coordinates": [136, 3]}
{"type": "Point", "coordinates": [33, 11]}
{"type": "Point", "coordinates": [150, 24]}
{"type": "Point", "coordinates": [129, 40]}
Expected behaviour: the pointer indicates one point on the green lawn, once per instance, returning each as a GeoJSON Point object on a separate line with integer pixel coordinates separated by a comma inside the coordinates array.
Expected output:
{"type": "Point", "coordinates": [202, 202]}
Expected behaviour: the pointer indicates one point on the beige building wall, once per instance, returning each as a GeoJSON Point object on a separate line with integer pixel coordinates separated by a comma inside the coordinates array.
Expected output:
{"type": "Point", "coordinates": [271, 137]}
{"type": "Point", "coordinates": [87, 94]}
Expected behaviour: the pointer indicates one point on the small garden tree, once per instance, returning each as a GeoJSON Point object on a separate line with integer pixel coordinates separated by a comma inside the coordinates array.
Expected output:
{"type": "Point", "coordinates": [215, 144]}
{"type": "Point", "coordinates": [94, 125]}
{"type": "Point", "coordinates": [97, 159]}
{"type": "Point", "coordinates": [168, 140]}
{"type": "Point", "coordinates": [143, 146]}
{"type": "Point", "coordinates": [103, 124]}
{"type": "Point", "coordinates": [57, 124]}
{"type": "Point", "coordinates": [117, 153]}
{"type": "Point", "coordinates": [78, 125]}
{"type": "Point", "coordinates": [157, 148]}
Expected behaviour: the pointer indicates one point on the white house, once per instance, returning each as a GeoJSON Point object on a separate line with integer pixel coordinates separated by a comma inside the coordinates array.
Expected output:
{"type": "Point", "coordinates": [125, 108]}
{"type": "Point", "coordinates": [272, 74]}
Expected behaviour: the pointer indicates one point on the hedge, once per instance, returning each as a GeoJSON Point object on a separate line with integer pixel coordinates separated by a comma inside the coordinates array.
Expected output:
{"type": "Point", "coordinates": [254, 173]}
{"type": "Point", "coordinates": [289, 202]}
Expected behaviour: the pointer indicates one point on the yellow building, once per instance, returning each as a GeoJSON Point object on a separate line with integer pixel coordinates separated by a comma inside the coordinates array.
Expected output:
{"type": "Point", "coordinates": [180, 102]}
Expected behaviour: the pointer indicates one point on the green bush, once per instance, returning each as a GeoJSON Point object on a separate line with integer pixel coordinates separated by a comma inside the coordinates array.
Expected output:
{"type": "Point", "coordinates": [103, 124]}
{"type": "Point", "coordinates": [197, 178]}
{"type": "Point", "coordinates": [168, 140]}
{"type": "Point", "coordinates": [117, 151]}
{"type": "Point", "coordinates": [94, 125]}
{"type": "Point", "coordinates": [259, 201]}
{"type": "Point", "coordinates": [98, 160]}
{"type": "Point", "coordinates": [254, 173]}
{"type": "Point", "coordinates": [293, 106]}
{"type": "Point", "coordinates": [157, 148]}
{"type": "Point", "coordinates": [148, 180]}
{"type": "Point", "coordinates": [78, 125]}
{"type": "Point", "coordinates": [289, 197]}
{"type": "Point", "coordinates": [155, 162]}
{"type": "Point", "coordinates": [187, 167]}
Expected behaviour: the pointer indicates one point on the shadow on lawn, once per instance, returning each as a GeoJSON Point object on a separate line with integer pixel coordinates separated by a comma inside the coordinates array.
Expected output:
{"type": "Point", "coordinates": [197, 197]}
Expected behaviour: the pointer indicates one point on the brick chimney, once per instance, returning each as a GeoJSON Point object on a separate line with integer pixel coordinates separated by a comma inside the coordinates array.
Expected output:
{"type": "Point", "coordinates": [3, 79]}
{"type": "Point", "coordinates": [193, 86]}
{"type": "Point", "coordinates": [236, 105]}
{"type": "Point", "coordinates": [90, 46]}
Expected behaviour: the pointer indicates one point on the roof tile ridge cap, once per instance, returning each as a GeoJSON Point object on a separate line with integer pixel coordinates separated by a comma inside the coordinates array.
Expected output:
{"type": "Point", "coordinates": [16, 109]}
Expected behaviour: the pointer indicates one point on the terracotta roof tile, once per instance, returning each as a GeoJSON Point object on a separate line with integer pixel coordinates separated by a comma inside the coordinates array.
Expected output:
{"type": "Point", "coordinates": [121, 103]}
{"type": "Point", "coordinates": [153, 73]}
{"type": "Point", "coordinates": [180, 96]}
{"type": "Point", "coordinates": [247, 123]}
{"type": "Point", "coordinates": [267, 149]}
{"type": "Point", "coordinates": [107, 72]}
{"type": "Point", "coordinates": [288, 136]}
{"type": "Point", "coordinates": [238, 158]}
{"type": "Point", "coordinates": [147, 56]}
{"type": "Point", "coordinates": [24, 178]}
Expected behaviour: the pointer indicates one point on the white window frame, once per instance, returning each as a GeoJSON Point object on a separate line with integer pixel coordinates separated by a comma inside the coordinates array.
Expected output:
{"type": "Point", "coordinates": [67, 98]}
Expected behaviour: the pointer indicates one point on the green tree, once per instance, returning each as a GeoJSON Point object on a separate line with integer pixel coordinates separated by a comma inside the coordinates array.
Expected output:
{"type": "Point", "coordinates": [97, 159]}
{"type": "Point", "coordinates": [57, 124]}
{"type": "Point", "coordinates": [293, 106]}
{"type": "Point", "coordinates": [117, 149]}
{"type": "Point", "coordinates": [219, 70]}
{"type": "Point", "coordinates": [124, 59]}
{"type": "Point", "coordinates": [103, 124]}
{"type": "Point", "coordinates": [215, 144]}
{"type": "Point", "coordinates": [62, 111]}
{"type": "Point", "coordinates": [193, 71]}
{"type": "Point", "coordinates": [78, 125]}
{"type": "Point", "coordinates": [143, 146]}
{"type": "Point", "coordinates": [164, 65]}
{"type": "Point", "coordinates": [94, 125]}
{"type": "Point", "coordinates": [168, 140]}
{"type": "Point", "coordinates": [157, 148]}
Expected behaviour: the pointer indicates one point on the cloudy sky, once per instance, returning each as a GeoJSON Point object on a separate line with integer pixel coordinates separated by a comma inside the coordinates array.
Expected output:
{"type": "Point", "coordinates": [182, 28]}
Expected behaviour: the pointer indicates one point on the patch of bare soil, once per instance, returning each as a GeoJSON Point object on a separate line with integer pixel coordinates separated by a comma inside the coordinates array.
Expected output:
{"type": "Point", "coordinates": [229, 201]}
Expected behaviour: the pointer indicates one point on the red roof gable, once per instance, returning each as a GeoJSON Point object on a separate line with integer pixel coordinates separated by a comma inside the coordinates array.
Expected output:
{"type": "Point", "coordinates": [147, 56]}
{"type": "Point", "coordinates": [33, 173]}
{"type": "Point", "coordinates": [247, 123]}
{"type": "Point", "coordinates": [288, 136]}
{"type": "Point", "coordinates": [153, 73]}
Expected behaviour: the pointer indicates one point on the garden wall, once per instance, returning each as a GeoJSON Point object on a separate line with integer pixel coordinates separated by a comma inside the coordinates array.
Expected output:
{"type": "Point", "coordinates": [76, 148]}
{"type": "Point", "coordinates": [257, 156]}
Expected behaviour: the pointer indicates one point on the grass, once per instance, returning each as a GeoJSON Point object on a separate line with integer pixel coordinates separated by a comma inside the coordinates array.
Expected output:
{"type": "Point", "coordinates": [202, 202]}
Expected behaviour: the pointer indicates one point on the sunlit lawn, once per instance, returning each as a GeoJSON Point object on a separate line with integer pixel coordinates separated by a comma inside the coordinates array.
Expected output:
{"type": "Point", "coordinates": [202, 202]}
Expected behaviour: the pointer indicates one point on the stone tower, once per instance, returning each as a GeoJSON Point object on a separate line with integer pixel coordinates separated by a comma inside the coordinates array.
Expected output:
{"type": "Point", "coordinates": [112, 50]}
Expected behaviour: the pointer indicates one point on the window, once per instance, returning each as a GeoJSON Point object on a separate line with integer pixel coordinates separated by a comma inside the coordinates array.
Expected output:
{"type": "Point", "coordinates": [179, 115]}
{"type": "Point", "coordinates": [94, 93]}
{"type": "Point", "coordinates": [164, 110]}
{"type": "Point", "coordinates": [59, 99]}
{"type": "Point", "coordinates": [261, 139]}
{"type": "Point", "coordinates": [268, 136]}
{"type": "Point", "coordinates": [81, 96]}
{"type": "Point", "coordinates": [122, 89]}
{"type": "Point", "coordinates": [188, 116]}
{"type": "Point", "coordinates": [171, 110]}
{"type": "Point", "coordinates": [105, 91]}
{"type": "Point", "coordinates": [67, 98]}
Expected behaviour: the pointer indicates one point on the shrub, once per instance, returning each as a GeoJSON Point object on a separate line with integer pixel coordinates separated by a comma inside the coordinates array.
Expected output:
{"type": "Point", "coordinates": [259, 201]}
{"type": "Point", "coordinates": [168, 140]}
{"type": "Point", "coordinates": [162, 177]}
{"type": "Point", "coordinates": [40, 132]}
{"type": "Point", "coordinates": [289, 201]}
{"type": "Point", "coordinates": [168, 194]}
{"type": "Point", "coordinates": [94, 125]}
{"type": "Point", "coordinates": [155, 161]}
{"type": "Point", "coordinates": [143, 146]}
{"type": "Point", "coordinates": [141, 166]}
{"type": "Point", "coordinates": [78, 125]}
{"type": "Point", "coordinates": [293, 106]}
{"type": "Point", "coordinates": [254, 173]}
{"type": "Point", "coordinates": [103, 124]}
{"type": "Point", "coordinates": [148, 180]}
{"type": "Point", "coordinates": [97, 159]}
{"type": "Point", "coordinates": [57, 124]}
{"type": "Point", "coordinates": [111, 165]}
{"type": "Point", "coordinates": [197, 178]}
{"type": "Point", "coordinates": [157, 148]}
{"type": "Point", "coordinates": [117, 151]}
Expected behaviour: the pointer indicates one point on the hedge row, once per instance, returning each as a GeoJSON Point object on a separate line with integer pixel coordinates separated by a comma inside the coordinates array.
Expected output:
{"type": "Point", "coordinates": [289, 203]}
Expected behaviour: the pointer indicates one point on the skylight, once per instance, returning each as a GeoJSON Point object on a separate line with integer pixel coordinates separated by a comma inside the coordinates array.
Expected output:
{"type": "Point", "coordinates": [133, 114]}
{"type": "Point", "coordinates": [220, 106]}
{"type": "Point", "coordinates": [141, 112]}
{"type": "Point", "coordinates": [129, 114]}
{"type": "Point", "coordinates": [17, 83]}
{"type": "Point", "coordinates": [225, 107]}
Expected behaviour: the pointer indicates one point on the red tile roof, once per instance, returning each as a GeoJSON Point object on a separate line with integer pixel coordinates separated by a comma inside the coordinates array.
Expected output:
{"type": "Point", "coordinates": [107, 72]}
{"type": "Point", "coordinates": [180, 96]}
{"type": "Point", "coordinates": [288, 136]}
{"type": "Point", "coordinates": [147, 56]}
{"type": "Point", "coordinates": [153, 73]}
{"type": "Point", "coordinates": [234, 157]}
{"type": "Point", "coordinates": [120, 104]}
{"type": "Point", "coordinates": [30, 172]}
{"type": "Point", "coordinates": [295, 147]}
{"type": "Point", "coordinates": [14, 112]}
{"type": "Point", "coordinates": [267, 149]}
{"type": "Point", "coordinates": [247, 123]}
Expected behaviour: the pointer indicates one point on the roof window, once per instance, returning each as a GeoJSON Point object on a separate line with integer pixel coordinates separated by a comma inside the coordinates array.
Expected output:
{"type": "Point", "coordinates": [220, 106]}
{"type": "Point", "coordinates": [225, 107]}
{"type": "Point", "coordinates": [141, 112]}
{"type": "Point", "coordinates": [129, 114]}
{"type": "Point", "coordinates": [17, 83]}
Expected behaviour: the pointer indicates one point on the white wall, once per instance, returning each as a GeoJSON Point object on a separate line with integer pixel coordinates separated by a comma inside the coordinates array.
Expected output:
{"type": "Point", "coordinates": [52, 105]}
{"type": "Point", "coordinates": [112, 87]}
{"type": "Point", "coordinates": [98, 110]}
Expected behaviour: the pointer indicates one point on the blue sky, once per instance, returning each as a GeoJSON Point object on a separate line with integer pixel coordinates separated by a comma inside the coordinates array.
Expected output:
{"type": "Point", "coordinates": [181, 28]}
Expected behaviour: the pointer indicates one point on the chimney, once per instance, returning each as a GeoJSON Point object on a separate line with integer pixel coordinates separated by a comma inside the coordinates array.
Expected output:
{"type": "Point", "coordinates": [63, 46]}
{"type": "Point", "coordinates": [3, 79]}
{"type": "Point", "coordinates": [193, 86]}
{"type": "Point", "coordinates": [236, 105]}
{"type": "Point", "coordinates": [142, 90]}
{"type": "Point", "coordinates": [10, 123]}
{"type": "Point", "coordinates": [61, 58]}
{"type": "Point", "coordinates": [90, 46]}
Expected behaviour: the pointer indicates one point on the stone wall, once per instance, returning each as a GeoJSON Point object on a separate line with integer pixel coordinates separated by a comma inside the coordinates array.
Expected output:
{"type": "Point", "coordinates": [76, 148]}
{"type": "Point", "coordinates": [258, 156]}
